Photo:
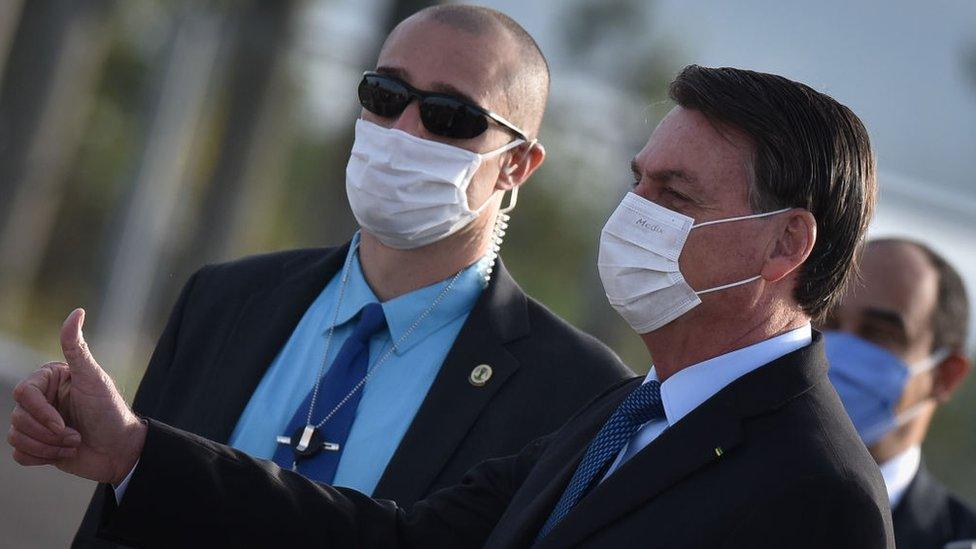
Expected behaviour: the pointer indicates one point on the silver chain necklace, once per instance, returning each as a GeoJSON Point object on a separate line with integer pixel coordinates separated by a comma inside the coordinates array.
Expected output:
{"type": "Point", "coordinates": [305, 445]}
{"type": "Point", "coordinates": [310, 441]}
{"type": "Point", "coordinates": [383, 357]}
{"type": "Point", "coordinates": [498, 234]}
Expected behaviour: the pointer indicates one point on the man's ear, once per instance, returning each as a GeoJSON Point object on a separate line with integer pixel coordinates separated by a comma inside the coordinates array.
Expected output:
{"type": "Point", "coordinates": [792, 246]}
{"type": "Point", "coordinates": [949, 375]}
{"type": "Point", "coordinates": [519, 164]}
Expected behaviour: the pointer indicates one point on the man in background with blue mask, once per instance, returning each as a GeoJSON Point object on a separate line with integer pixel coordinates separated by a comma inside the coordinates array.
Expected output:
{"type": "Point", "coordinates": [751, 198]}
{"type": "Point", "coordinates": [897, 350]}
{"type": "Point", "coordinates": [396, 362]}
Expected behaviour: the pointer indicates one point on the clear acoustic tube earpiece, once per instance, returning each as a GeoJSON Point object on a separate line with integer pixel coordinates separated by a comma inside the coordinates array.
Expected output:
{"type": "Point", "coordinates": [498, 234]}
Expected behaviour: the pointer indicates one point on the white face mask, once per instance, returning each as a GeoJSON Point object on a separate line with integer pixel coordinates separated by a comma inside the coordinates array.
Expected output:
{"type": "Point", "coordinates": [409, 191]}
{"type": "Point", "coordinates": [638, 263]}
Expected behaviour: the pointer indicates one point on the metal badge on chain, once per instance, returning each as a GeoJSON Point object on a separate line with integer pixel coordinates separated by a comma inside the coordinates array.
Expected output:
{"type": "Point", "coordinates": [310, 441]}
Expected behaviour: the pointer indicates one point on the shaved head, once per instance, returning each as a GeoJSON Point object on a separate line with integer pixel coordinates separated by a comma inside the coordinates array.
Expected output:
{"type": "Point", "coordinates": [523, 82]}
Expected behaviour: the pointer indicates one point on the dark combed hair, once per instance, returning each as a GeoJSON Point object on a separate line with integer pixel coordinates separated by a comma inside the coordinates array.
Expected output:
{"type": "Point", "coordinates": [950, 318]}
{"type": "Point", "coordinates": [809, 151]}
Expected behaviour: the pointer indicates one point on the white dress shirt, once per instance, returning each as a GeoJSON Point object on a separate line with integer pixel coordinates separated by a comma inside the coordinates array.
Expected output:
{"type": "Point", "coordinates": [689, 388]}
{"type": "Point", "coordinates": [899, 471]}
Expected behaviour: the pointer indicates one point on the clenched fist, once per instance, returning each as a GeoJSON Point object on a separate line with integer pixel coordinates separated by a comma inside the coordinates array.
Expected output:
{"type": "Point", "coordinates": [70, 415]}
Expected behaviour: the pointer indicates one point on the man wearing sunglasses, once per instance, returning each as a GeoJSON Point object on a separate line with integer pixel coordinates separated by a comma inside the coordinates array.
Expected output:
{"type": "Point", "coordinates": [396, 362]}
{"type": "Point", "coordinates": [750, 200]}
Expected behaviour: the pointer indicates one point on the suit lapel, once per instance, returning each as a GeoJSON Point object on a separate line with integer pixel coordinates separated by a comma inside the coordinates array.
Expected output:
{"type": "Point", "coordinates": [697, 440]}
{"type": "Point", "coordinates": [453, 403]}
{"type": "Point", "coordinates": [676, 454]}
{"type": "Point", "coordinates": [922, 509]}
{"type": "Point", "coordinates": [266, 321]}
{"type": "Point", "coordinates": [532, 504]}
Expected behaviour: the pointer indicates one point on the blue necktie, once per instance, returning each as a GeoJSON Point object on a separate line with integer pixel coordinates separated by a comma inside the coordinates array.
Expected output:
{"type": "Point", "coordinates": [348, 369]}
{"type": "Point", "coordinates": [641, 406]}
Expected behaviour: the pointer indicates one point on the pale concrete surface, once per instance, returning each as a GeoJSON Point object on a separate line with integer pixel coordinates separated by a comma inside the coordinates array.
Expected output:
{"type": "Point", "coordinates": [40, 507]}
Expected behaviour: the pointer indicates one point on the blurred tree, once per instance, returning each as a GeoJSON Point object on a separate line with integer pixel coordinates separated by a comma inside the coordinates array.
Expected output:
{"type": "Point", "coordinates": [147, 213]}
{"type": "Point", "coordinates": [9, 18]}
{"type": "Point", "coordinates": [254, 137]}
{"type": "Point", "coordinates": [591, 26]}
{"type": "Point", "coordinates": [969, 63]}
{"type": "Point", "coordinates": [99, 176]}
{"type": "Point", "coordinates": [46, 96]}
{"type": "Point", "coordinates": [951, 443]}
{"type": "Point", "coordinates": [400, 10]}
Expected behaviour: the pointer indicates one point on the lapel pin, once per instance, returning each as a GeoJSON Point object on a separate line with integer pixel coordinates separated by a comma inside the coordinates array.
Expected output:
{"type": "Point", "coordinates": [480, 375]}
{"type": "Point", "coordinates": [718, 451]}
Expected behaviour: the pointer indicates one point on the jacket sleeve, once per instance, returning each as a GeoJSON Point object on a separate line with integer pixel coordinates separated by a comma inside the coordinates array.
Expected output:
{"type": "Point", "coordinates": [144, 403]}
{"type": "Point", "coordinates": [189, 491]}
{"type": "Point", "coordinates": [818, 512]}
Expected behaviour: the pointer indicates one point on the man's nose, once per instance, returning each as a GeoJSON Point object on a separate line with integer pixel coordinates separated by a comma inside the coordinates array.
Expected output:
{"type": "Point", "coordinates": [646, 190]}
{"type": "Point", "coordinates": [409, 121]}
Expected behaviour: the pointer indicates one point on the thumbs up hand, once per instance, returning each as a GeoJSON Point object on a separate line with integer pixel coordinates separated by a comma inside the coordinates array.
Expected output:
{"type": "Point", "coordinates": [70, 415]}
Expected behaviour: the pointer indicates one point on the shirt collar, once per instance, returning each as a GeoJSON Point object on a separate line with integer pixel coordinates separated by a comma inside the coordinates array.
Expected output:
{"type": "Point", "coordinates": [403, 311]}
{"type": "Point", "coordinates": [688, 388]}
{"type": "Point", "coordinates": [899, 471]}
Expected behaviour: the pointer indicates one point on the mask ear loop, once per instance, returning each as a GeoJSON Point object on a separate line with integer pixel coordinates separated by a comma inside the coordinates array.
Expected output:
{"type": "Point", "coordinates": [905, 416]}
{"type": "Point", "coordinates": [739, 218]}
{"type": "Point", "coordinates": [728, 220]}
{"type": "Point", "coordinates": [727, 286]}
{"type": "Point", "coordinates": [913, 411]}
{"type": "Point", "coordinates": [931, 362]}
{"type": "Point", "coordinates": [502, 219]}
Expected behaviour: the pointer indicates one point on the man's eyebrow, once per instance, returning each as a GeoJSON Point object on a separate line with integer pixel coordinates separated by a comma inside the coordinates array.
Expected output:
{"type": "Point", "coordinates": [437, 87]}
{"type": "Point", "coordinates": [690, 182]}
{"type": "Point", "coordinates": [672, 174]}
{"type": "Point", "coordinates": [394, 71]}
{"type": "Point", "coordinates": [443, 87]}
{"type": "Point", "coordinates": [886, 316]}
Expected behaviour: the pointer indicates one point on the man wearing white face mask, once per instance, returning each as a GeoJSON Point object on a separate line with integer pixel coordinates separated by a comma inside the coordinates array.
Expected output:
{"type": "Point", "coordinates": [736, 438]}
{"type": "Point", "coordinates": [897, 351]}
{"type": "Point", "coordinates": [394, 363]}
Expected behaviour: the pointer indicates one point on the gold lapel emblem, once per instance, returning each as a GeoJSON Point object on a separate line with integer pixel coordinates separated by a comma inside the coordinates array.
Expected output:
{"type": "Point", "coordinates": [480, 375]}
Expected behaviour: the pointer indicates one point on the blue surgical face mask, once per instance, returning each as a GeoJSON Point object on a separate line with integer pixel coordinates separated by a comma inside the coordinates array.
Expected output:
{"type": "Point", "coordinates": [870, 381]}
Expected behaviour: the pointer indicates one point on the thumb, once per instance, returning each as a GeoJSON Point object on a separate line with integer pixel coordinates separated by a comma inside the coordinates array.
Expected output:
{"type": "Point", "coordinates": [73, 345]}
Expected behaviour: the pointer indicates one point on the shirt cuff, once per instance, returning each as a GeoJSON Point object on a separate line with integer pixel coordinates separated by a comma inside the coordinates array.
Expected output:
{"type": "Point", "coordinates": [120, 489]}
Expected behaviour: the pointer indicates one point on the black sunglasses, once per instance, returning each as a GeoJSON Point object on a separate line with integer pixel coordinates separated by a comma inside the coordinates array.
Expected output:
{"type": "Point", "coordinates": [442, 114]}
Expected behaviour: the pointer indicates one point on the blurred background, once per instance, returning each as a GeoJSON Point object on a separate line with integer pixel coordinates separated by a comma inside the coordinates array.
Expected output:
{"type": "Point", "coordinates": [142, 139]}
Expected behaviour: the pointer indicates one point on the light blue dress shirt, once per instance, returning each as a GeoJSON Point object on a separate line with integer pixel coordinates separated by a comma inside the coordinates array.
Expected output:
{"type": "Point", "coordinates": [687, 389]}
{"type": "Point", "coordinates": [397, 387]}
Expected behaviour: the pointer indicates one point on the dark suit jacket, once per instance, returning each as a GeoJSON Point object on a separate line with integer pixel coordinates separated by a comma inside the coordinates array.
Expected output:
{"type": "Point", "coordinates": [231, 320]}
{"type": "Point", "coordinates": [770, 461]}
{"type": "Point", "coordinates": [928, 516]}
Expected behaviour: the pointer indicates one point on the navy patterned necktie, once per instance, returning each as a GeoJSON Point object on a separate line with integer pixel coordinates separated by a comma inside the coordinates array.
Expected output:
{"type": "Point", "coordinates": [348, 369]}
{"type": "Point", "coordinates": [641, 406]}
